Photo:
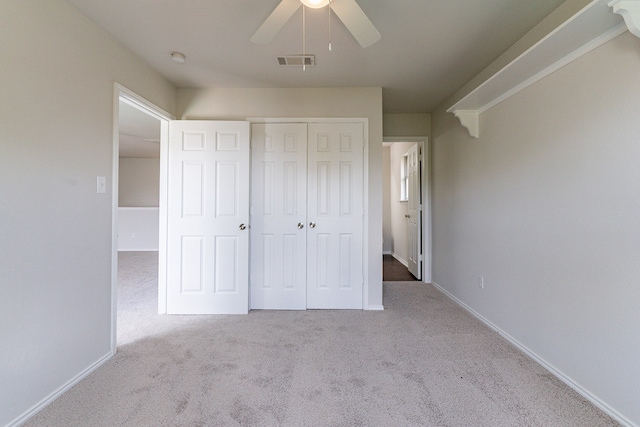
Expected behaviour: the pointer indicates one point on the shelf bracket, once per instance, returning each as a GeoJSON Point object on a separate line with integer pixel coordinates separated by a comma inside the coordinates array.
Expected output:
{"type": "Point", "coordinates": [630, 11]}
{"type": "Point", "coordinates": [470, 120]}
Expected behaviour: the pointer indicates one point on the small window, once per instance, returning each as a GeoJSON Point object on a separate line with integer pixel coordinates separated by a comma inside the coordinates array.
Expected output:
{"type": "Point", "coordinates": [404, 178]}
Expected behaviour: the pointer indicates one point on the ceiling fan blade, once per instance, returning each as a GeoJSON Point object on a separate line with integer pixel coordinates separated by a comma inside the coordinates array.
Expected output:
{"type": "Point", "coordinates": [280, 15]}
{"type": "Point", "coordinates": [356, 21]}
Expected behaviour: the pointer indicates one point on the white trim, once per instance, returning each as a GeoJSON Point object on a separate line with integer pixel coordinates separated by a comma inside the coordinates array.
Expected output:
{"type": "Point", "coordinates": [548, 366]}
{"type": "Point", "coordinates": [163, 218]}
{"type": "Point", "coordinates": [375, 308]}
{"type": "Point", "coordinates": [425, 149]}
{"type": "Point", "coordinates": [59, 392]}
{"type": "Point", "coordinates": [630, 11]}
{"type": "Point", "coordinates": [126, 95]}
{"type": "Point", "coordinates": [469, 120]}
{"type": "Point", "coordinates": [583, 50]}
{"type": "Point", "coordinates": [364, 120]}
{"type": "Point", "coordinates": [589, 28]}
{"type": "Point", "coordinates": [135, 100]}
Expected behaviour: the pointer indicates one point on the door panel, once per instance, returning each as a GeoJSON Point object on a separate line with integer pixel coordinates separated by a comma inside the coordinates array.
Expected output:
{"type": "Point", "coordinates": [208, 198]}
{"type": "Point", "coordinates": [414, 206]}
{"type": "Point", "coordinates": [278, 205]}
{"type": "Point", "coordinates": [335, 216]}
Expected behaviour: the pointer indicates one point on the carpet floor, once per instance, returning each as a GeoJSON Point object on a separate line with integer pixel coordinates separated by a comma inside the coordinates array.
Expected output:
{"type": "Point", "coordinates": [423, 361]}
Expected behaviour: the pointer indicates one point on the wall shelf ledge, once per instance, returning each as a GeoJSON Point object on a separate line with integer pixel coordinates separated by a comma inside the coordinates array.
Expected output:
{"type": "Point", "coordinates": [630, 11]}
{"type": "Point", "coordinates": [592, 26]}
{"type": "Point", "coordinates": [470, 120]}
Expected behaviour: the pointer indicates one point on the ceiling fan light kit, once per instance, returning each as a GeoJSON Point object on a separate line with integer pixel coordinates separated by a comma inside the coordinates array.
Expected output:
{"type": "Point", "coordinates": [347, 11]}
{"type": "Point", "coordinates": [315, 4]}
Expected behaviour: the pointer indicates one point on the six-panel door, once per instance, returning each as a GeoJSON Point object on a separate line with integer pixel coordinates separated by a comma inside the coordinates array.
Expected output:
{"type": "Point", "coordinates": [414, 207]}
{"type": "Point", "coordinates": [278, 216]}
{"type": "Point", "coordinates": [335, 216]}
{"type": "Point", "coordinates": [208, 217]}
{"type": "Point", "coordinates": [306, 219]}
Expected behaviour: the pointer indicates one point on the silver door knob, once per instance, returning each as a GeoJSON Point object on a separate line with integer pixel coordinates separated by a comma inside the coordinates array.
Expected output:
{"type": "Point", "coordinates": [300, 225]}
{"type": "Point", "coordinates": [312, 224]}
{"type": "Point", "coordinates": [242, 227]}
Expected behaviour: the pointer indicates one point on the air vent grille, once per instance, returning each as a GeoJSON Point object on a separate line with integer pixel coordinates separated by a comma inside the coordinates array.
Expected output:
{"type": "Point", "coordinates": [297, 60]}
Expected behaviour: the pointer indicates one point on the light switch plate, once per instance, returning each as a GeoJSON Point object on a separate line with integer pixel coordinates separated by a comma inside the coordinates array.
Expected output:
{"type": "Point", "coordinates": [102, 185]}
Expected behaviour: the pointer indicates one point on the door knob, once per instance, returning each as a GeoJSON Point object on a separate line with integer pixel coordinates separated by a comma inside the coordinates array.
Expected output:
{"type": "Point", "coordinates": [407, 216]}
{"type": "Point", "coordinates": [312, 224]}
{"type": "Point", "coordinates": [242, 227]}
{"type": "Point", "coordinates": [300, 225]}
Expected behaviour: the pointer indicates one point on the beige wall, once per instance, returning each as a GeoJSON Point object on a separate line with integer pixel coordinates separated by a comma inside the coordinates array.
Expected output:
{"type": "Point", "coordinates": [57, 76]}
{"type": "Point", "coordinates": [546, 206]}
{"type": "Point", "coordinates": [139, 182]}
{"type": "Point", "coordinates": [396, 125]}
{"type": "Point", "coordinates": [240, 104]}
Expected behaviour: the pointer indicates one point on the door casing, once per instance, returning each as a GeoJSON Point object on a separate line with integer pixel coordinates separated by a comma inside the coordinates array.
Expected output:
{"type": "Point", "coordinates": [120, 92]}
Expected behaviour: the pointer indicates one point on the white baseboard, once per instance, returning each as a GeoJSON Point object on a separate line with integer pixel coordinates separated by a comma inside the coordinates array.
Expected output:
{"type": "Point", "coordinates": [386, 252]}
{"type": "Point", "coordinates": [375, 308]}
{"type": "Point", "coordinates": [59, 392]}
{"type": "Point", "coordinates": [549, 367]}
{"type": "Point", "coordinates": [399, 258]}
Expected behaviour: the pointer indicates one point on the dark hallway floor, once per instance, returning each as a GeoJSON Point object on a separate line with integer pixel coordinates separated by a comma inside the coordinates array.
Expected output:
{"type": "Point", "coordinates": [394, 271]}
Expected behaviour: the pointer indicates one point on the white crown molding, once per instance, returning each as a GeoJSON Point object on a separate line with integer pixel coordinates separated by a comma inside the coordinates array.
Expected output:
{"type": "Point", "coordinates": [589, 28]}
{"type": "Point", "coordinates": [630, 11]}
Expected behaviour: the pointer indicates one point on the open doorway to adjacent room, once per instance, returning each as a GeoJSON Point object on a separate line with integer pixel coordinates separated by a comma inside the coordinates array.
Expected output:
{"type": "Point", "coordinates": [406, 238]}
{"type": "Point", "coordinates": [137, 152]}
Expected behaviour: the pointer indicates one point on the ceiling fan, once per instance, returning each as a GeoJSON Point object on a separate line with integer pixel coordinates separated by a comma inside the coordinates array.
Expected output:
{"type": "Point", "coordinates": [348, 11]}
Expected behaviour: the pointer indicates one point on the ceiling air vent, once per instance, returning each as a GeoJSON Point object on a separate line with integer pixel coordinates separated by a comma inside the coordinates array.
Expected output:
{"type": "Point", "coordinates": [297, 60]}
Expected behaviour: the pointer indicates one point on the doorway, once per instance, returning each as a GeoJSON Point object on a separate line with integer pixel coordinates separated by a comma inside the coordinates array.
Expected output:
{"type": "Point", "coordinates": [395, 271]}
{"type": "Point", "coordinates": [406, 209]}
{"type": "Point", "coordinates": [137, 149]}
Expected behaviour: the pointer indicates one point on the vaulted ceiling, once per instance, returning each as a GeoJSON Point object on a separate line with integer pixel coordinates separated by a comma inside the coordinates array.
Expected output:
{"type": "Point", "coordinates": [428, 49]}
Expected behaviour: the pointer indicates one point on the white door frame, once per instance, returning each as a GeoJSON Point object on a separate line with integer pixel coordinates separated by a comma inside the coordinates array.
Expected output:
{"type": "Point", "coordinates": [425, 160]}
{"type": "Point", "coordinates": [126, 95]}
{"type": "Point", "coordinates": [365, 154]}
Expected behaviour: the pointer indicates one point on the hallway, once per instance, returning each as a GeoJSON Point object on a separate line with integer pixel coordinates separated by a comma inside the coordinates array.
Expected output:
{"type": "Point", "coordinates": [394, 271]}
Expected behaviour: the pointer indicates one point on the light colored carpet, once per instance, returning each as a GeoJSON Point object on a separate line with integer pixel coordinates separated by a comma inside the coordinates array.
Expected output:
{"type": "Point", "coordinates": [421, 362]}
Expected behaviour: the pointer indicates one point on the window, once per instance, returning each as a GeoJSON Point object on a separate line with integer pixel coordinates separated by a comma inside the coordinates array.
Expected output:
{"type": "Point", "coordinates": [404, 178]}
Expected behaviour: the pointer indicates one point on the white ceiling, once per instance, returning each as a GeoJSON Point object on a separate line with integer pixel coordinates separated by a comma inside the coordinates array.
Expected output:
{"type": "Point", "coordinates": [428, 50]}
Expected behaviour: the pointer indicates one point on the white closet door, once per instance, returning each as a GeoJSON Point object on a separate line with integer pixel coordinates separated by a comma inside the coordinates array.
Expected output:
{"type": "Point", "coordinates": [335, 216]}
{"type": "Point", "coordinates": [414, 207]}
{"type": "Point", "coordinates": [208, 214]}
{"type": "Point", "coordinates": [278, 216]}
